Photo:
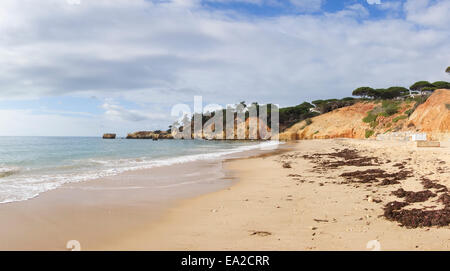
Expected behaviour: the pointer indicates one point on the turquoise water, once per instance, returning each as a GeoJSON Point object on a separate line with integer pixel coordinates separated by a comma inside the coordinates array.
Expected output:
{"type": "Point", "coordinates": [32, 165]}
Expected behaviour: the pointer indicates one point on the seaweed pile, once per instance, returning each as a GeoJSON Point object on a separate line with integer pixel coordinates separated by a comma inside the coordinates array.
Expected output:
{"type": "Point", "coordinates": [396, 210]}
{"type": "Point", "coordinates": [414, 218]}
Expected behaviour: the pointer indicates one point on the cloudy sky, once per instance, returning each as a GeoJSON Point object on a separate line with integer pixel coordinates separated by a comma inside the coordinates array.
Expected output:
{"type": "Point", "coordinates": [84, 67]}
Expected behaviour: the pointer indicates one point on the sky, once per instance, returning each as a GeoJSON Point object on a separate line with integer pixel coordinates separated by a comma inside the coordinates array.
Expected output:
{"type": "Point", "coordinates": [87, 67]}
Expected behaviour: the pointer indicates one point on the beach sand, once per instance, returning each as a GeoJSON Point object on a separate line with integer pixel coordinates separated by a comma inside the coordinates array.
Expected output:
{"type": "Point", "coordinates": [290, 200]}
{"type": "Point", "coordinates": [99, 211]}
{"type": "Point", "coordinates": [267, 210]}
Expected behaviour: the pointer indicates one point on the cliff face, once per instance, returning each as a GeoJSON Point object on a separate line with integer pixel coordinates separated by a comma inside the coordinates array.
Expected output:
{"type": "Point", "coordinates": [240, 132]}
{"type": "Point", "coordinates": [432, 117]}
{"type": "Point", "coordinates": [343, 122]}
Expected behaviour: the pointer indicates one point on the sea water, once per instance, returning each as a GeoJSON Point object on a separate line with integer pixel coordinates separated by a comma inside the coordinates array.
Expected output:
{"type": "Point", "coordinates": [32, 165]}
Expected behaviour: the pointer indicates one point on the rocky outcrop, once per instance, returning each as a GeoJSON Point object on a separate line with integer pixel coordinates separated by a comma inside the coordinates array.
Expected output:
{"type": "Point", "coordinates": [149, 135]}
{"type": "Point", "coordinates": [109, 136]}
{"type": "Point", "coordinates": [165, 135]}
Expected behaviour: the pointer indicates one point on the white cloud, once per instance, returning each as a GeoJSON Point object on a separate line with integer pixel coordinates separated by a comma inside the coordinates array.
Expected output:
{"type": "Point", "coordinates": [391, 6]}
{"type": "Point", "coordinates": [429, 13]}
{"type": "Point", "coordinates": [159, 54]}
{"type": "Point", "coordinates": [116, 112]}
{"type": "Point", "coordinates": [355, 10]}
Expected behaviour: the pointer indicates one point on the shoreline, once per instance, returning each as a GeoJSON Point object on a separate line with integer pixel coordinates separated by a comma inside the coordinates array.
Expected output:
{"type": "Point", "coordinates": [98, 211]}
{"type": "Point", "coordinates": [257, 204]}
{"type": "Point", "coordinates": [268, 210]}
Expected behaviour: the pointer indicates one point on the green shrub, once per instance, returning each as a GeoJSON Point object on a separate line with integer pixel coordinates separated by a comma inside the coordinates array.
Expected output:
{"type": "Point", "coordinates": [373, 124]}
{"type": "Point", "coordinates": [389, 108]}
{"type": "Point", "coordinates": [409, 112]}
{"type": "Point", "coordinates": [308, 121]}
{"type": "Point", "coordinates": [447, 106]}
{"type": "Point", "coordinates": [402, 117]}
{"type": "Point", "coordinates": [369, 133]}
{"type": "Point", "coordinates": [370, 117]}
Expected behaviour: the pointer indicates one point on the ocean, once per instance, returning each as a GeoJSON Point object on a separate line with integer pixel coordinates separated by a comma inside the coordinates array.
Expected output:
{"type": "Point", "coordinates": [30, 166]}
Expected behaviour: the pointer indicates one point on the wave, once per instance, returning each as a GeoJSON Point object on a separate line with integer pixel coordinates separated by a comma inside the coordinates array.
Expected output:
{"type": "Point", "coordinates": [8, 171]}
{"type": "Point", "coordinates": [19, 188]}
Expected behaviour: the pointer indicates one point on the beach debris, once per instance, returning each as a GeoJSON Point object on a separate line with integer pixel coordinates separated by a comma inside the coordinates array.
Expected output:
{"type": "Point", "coordinates": [402, 212]}
{"type": "Point", "coordinates": [372, 199]}
{"type": "Point", "coordinates": [411, 196]}
{"type": "Point", "coordinates": [414, 218]}
{"type": "Point", "coordinates": [345, 157]}
{"type": "Point", "coordinates": [373, 175]}
{"type": "Point", "coordinates": [388, 182]}
{"type": "Point", "coordinates": [445, 199]}
{"type": "Point", "coordinates": [214, 211]}
{"type": "Point", "coordinates": [428, 184]}
{"type": "Point", "coordinates": [320, 220]}
{"type": "Point", "coordinates": [287, 165]}
{"type": "Point", "coordinates": [260, 233]}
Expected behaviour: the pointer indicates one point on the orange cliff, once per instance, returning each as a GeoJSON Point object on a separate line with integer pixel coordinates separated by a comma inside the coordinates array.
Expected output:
{"type": "Point", "coordinates": [432, 117]}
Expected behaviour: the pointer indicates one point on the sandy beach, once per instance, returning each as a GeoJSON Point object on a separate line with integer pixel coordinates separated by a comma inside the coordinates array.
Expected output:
{"type": "Point", "coordinates": [305, 197]}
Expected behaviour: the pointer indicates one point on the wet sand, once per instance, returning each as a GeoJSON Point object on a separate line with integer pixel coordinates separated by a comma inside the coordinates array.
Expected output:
{"type": "Point", "coordinates": [320, 195]}
{"type": "Point", "coordinates": [100, 211]}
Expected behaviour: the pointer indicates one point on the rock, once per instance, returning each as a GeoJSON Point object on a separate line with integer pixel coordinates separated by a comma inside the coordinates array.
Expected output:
{"type": "Point", "coordinates": [109, 136]}
{"type": "Point", "coordinates": [149, 135]}
{"type": "Point", "coordinates": [165, 135]}
{"type": "Point", "coordinates": [141, 135]}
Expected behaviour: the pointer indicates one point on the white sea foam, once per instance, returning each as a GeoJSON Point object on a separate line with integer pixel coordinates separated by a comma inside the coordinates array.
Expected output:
{"type": "Point", "coordinates": [19, 188]}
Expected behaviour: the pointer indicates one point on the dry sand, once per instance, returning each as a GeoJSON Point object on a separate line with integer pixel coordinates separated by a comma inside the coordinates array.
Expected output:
{"type": "Point", "coordinates": [270, 207]}
{"type": "Point", "coordinates": [268, 210]}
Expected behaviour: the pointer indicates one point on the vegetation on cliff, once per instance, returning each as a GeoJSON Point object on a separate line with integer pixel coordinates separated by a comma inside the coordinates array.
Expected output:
{"type": "Point", "coordinates": [388, 108]}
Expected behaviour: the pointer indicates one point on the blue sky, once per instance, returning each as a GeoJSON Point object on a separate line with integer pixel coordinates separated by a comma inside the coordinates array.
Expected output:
{"type": "Point", "coordinates": [279, 8]}
{"type": "Point", "coordinates": [84, 67]}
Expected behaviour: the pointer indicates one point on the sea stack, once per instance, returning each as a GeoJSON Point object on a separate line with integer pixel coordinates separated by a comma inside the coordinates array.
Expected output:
{"type": "Point", "coordinates": [109, 136]}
